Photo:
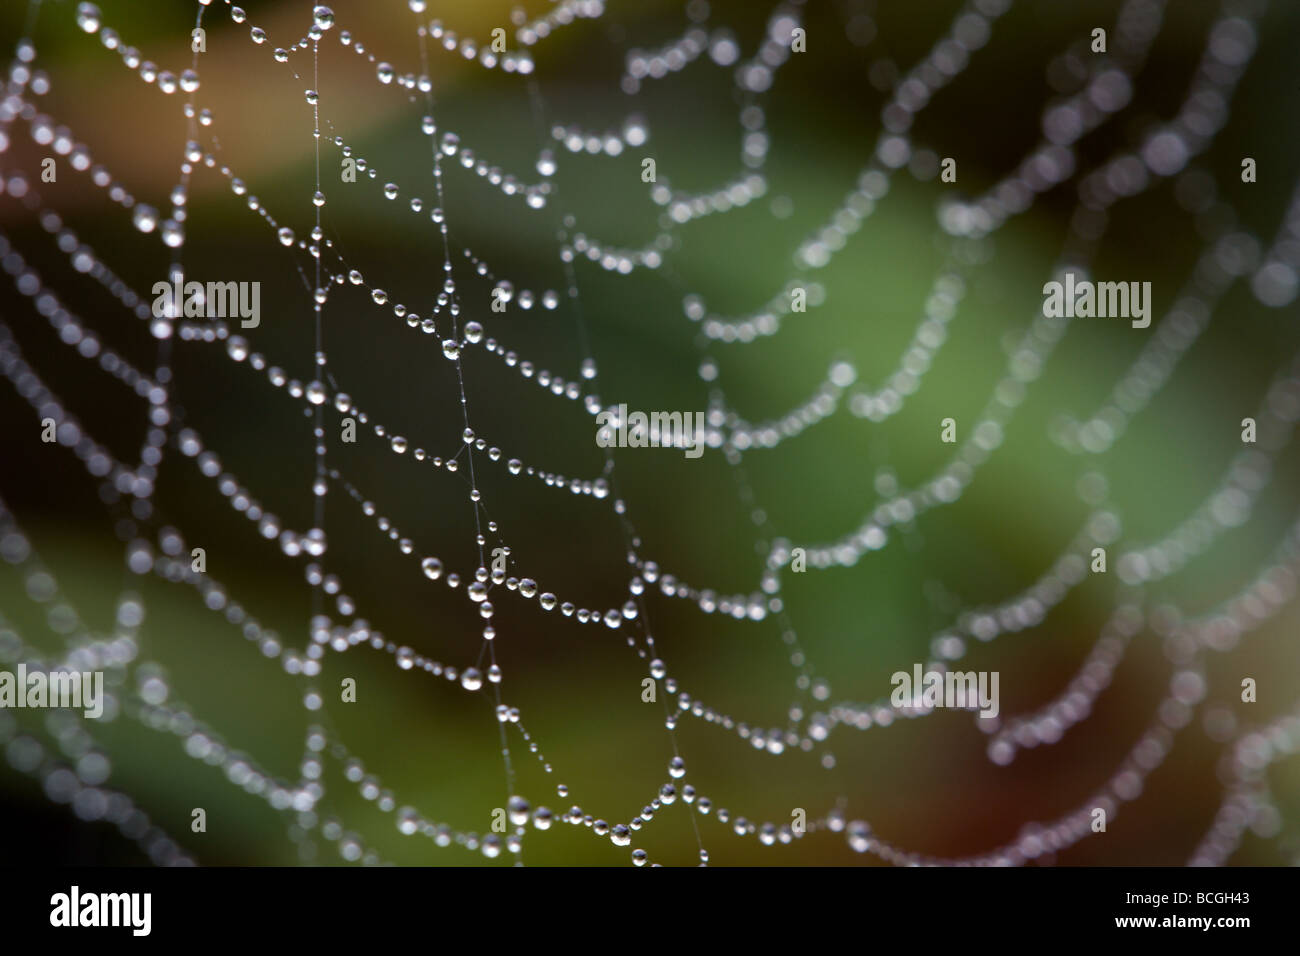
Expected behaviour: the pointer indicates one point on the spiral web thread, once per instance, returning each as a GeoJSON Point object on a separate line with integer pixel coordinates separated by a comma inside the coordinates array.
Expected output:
{"type": "Point", "coordinates": [73, 764]}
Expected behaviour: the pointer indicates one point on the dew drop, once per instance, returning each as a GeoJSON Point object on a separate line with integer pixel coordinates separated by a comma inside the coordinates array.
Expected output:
{"type": "Point", "coordinates": [145, 217]}
{"type": "Point", "coordinates": [471, 679]}
{"type": "Point", "coordinates": [323, 17]}
{"type": "Point", "coordinates": [88, 17]}
{"type": "Point", "coordinates": [432, 568]}
{"type": "Point", "coordinates": [385, 73]}
{"type": "Point", "coordinates": [518, 808]}
{"type": "Point", "coordinates": [172, 234]}
{"type": "Point", "coordinates": [859, 836]}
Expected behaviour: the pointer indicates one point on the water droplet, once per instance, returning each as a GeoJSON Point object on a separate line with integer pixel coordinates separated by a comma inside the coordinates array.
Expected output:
{"type": "Point", "coordinates": [517, 808]}
{"type": "Point", "coordinates": [318, 198]}
{"type": "Point", "coordinates": [473, 332]}
{"type": "Point", "coordinates": [189, 81]}
{"type": "Point", "coordinates": [547, 601]}
{"type": "Point", "coordinates": [432, 568]}
{"type": "Point", "coordinates": [859, 838]}
{"type": "Point", "coordinates": [471, 679]}
{"type": "Point", "coordinates": [450, 349]}
{"type": "Point", "coordinates": [258, 35]}
{"type": "Point", "coordinates": [145, 217]}
{"type": "Point", "coordinates": [286, 236]}
{"type": "Point", "coordinates": [172, 234]}
{"type": "Point", "coordinates": [88, 17]}
{"type": "Point", "coordinates": [385, 73]}
{"type": "Point", "coordinates": [323, 17]}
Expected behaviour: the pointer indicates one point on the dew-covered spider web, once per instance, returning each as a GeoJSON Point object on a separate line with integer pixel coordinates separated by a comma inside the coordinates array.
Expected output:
{"type": "Point", "coordinates": [364, 587]}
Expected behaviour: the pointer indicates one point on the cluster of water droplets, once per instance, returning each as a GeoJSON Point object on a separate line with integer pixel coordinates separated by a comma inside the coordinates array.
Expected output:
{"type": "Point", "coordinates": [1164, 153]}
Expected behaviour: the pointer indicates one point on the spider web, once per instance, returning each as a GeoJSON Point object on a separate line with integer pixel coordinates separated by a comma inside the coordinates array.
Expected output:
{"type": "Point", "coordinates": [469, 362]}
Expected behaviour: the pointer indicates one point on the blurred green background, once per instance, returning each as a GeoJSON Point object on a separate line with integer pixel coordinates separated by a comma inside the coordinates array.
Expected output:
{"type": "Point", "coordinates": [925, 785]}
